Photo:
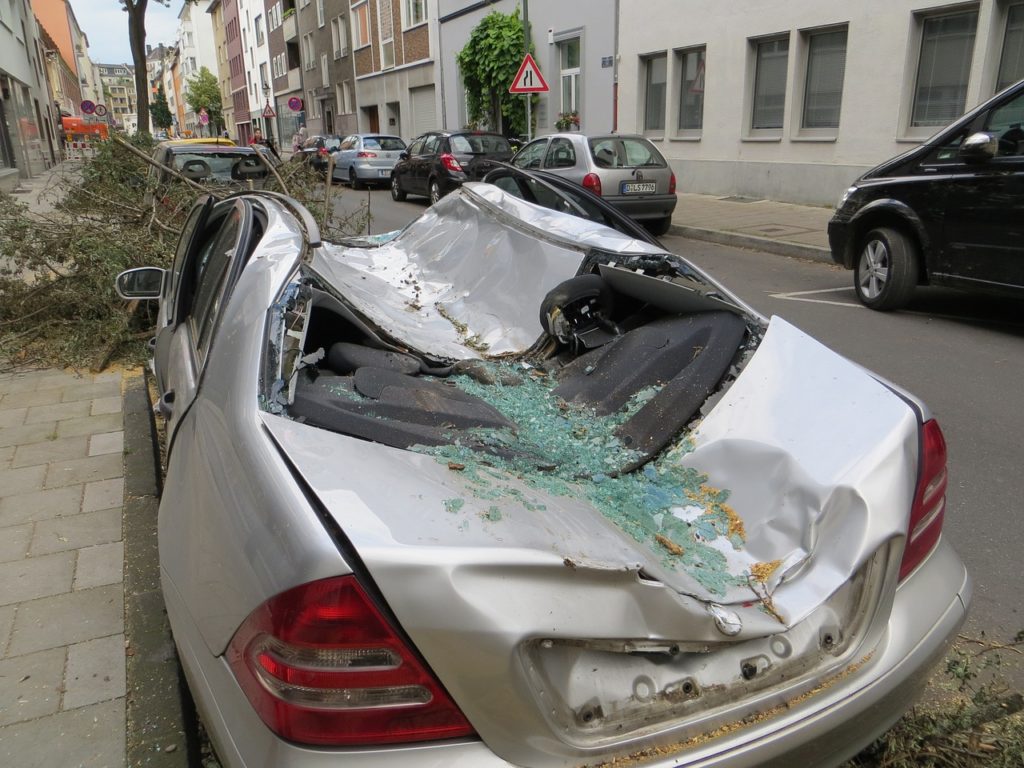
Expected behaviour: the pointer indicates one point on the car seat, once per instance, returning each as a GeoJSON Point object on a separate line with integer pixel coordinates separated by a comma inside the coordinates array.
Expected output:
{"type": "Point", "coordinates": [605, 157]}
{"type": "Point", "coordinates": [195, 169]}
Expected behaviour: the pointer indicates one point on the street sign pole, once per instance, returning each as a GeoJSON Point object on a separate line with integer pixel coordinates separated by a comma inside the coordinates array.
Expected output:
{"type": "Point", "coordinates": [526, 50]}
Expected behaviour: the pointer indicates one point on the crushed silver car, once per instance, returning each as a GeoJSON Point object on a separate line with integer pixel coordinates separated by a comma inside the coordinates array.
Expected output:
{"type": "Point", "coordinates": [510, 487]}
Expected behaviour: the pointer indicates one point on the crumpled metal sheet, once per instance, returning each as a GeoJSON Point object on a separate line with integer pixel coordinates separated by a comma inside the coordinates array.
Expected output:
{"type": "Point", "coordinates": [468, 276]}
{"type": "Point", "coordinates": [816, 454]}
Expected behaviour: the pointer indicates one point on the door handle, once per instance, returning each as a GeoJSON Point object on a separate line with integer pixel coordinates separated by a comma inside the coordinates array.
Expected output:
{"type": "Point", "coordinates": [165, 406]}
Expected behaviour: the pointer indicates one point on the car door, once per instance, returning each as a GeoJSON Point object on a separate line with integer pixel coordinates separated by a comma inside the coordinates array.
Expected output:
{"type": "Point", "coordinates": [423, 163]}
{"type": "Point", "coordinates": [210, 265]}
{"type": "Point", "coordinates": [346, 154]}
{"type": "Point", "coordinates": [532, 155]}
{"type": "Point", "coordinates": [561, 159]}
{"type": "Point", "coordinates": [984, 206]}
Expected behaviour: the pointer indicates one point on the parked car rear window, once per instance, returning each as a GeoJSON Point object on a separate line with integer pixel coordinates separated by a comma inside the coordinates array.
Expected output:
{"type": "Point", "coordinates": [480, 143]}
{"type": "Point", "coordinates": [219, 164]}
{"type": "Point", "coordinates": [385, 143]}
{"type": "Point", "coordinates": [332, 143]}
{"type": "Point", "coordinates": [617, 152]}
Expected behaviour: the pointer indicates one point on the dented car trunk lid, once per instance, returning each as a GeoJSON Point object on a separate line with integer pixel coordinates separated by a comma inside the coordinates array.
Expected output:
{"type": "Point", "coordinates": [582, 611]}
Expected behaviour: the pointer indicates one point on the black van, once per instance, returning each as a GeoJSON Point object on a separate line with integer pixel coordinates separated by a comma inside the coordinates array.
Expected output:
{"type": "Point", "coordinates": [949, 212]}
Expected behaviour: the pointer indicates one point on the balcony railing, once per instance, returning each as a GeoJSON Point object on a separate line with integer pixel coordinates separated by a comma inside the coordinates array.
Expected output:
{"type": "Point", "coordinates": [291, 28]}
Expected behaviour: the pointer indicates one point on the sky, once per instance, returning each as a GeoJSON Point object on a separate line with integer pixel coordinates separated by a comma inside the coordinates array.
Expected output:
{"type": "Point", "coordinates": [106, 25]}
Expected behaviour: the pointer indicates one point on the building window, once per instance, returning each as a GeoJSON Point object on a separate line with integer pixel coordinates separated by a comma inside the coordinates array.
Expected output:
{"type": "Point", "coordinates": [415, 12]}
{"type": "Point", "coordinates": [1011, 63]}
{"type": "Point", "coordinates": [771, 58]}
{"type": "Point", "coordinates": [947, 43]}
{"type": "Point", "coordinates": [361, 24]}
{"type": "Point", "coordinates": [655, 78]}
{"type": "Point", "coordinates": [346, 92]}
{"type": "Point", "coordinates": [569, 58]}
{"type": "Point", "coordinates": [264, 83]}
{"type": "Point", "coordinates": [386, 28]}
{"type": "Point", "coordinates": [308, 52]}
{"type": "Point", "coordinates": [257, 24]}
{"type": "Point", "coordinates": [691, 89]}
{"type": "Point", "coordinates": [320, 18]}
{"type": "Point", "coordinates": [823, 86]}
{"type": "Point", "coordinates": [339, 36]}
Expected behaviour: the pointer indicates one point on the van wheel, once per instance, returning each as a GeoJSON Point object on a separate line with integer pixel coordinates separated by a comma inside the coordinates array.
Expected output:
{"type": "Point", "coordinates": [397, 193]}
{"type": "Point", "coordinates": [886, 271]}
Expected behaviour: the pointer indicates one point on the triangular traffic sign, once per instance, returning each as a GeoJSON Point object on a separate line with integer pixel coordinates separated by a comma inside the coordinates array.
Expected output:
{"type": "Point", "coordinates": [528, 79]}
{"type": "Point", "coordinates": [269, 111]}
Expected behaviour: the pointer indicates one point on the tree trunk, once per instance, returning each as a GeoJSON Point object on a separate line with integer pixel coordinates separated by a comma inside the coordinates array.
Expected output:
{"type": "Point", "coordinates": [137, 37]}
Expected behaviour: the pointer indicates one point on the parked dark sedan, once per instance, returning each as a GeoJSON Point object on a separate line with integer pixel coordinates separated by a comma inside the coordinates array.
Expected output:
{"type": "Point", "coordinates": [949, 212]}
{"type": "Point", "coordinates": [438, 162]}
{"type": "Point", "coordinates": [316, 151]}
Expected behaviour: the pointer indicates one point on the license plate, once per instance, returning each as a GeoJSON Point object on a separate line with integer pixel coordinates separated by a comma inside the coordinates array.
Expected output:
{"type": "Point", "coordinates": [383, 172]}
{"type": "Point", "coordinates": [632, 188]}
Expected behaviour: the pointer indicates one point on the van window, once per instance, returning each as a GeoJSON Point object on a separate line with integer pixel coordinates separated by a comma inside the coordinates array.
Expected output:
{"type": "Point", "coordinates": [1004, 122]}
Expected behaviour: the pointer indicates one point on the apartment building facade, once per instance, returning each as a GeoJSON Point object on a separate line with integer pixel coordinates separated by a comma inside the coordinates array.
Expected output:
{"type": "Point", "coordinates": [327, 58]}
{"type": "Point", "coordinates": [118, 84]}
{"type": "Point", "coordinates": [792, 100]}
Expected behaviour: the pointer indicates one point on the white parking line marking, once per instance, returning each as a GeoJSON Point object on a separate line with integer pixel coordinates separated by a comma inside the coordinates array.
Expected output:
{"type": "Point", "coordinates": [799, 296]}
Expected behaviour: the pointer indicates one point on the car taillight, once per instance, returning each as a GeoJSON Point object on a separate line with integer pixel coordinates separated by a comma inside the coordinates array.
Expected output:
{"type": "Point", "coordinates": [323, 151]}
{"type": "Point", "coordinates": [672, 184]}
{"type": "Point", "coordinates": [366, 154]}
{"type": "Point", "coordinates": [592, 182]}
{"type": "Point", "coordinates": [449, 162]}
{"type": "Point", "coordinates": [321, 665]}
{"type": "Point", "coordinates": [929, 507]}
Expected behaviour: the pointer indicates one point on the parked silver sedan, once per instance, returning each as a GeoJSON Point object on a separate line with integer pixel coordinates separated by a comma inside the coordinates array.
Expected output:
{"type": "Point", "coordinates": [365, 158]}
{"type": "Point", "coordinates": [561, 500]}
{"type": "Point", "coordinates": [627, 171]}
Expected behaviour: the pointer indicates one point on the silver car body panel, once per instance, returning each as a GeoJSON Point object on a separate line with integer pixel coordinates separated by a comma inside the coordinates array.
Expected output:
{"type": "Point", "coordinates": [534, 594]}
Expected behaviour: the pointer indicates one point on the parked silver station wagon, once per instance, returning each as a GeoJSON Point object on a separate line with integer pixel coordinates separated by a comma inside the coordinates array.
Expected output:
{"type": "Point", "coordinates": [627, 171]}
{"type": "Point", "coordinates": [563, 500]}
{"type": "Point", "coordinates": [367, 159]}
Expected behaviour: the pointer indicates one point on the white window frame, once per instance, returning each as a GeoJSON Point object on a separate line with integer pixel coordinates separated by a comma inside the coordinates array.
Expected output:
{"type": "Point", "coordinates": [308, 52]}
{"type": "Point", "coordinates": [410, 10]}
{"type": "Point", "coordinates": [573, 74]}
{"type": "Point", "coordinates": [386, 34]}
{"type": "Point", "coordinates": [325, 72]}
{"type": "Point", "coordinates": [645, 72]}
{"type": "Point", "coordinates": [806, 66]}
{"type": "Point", "coordinates": [763, 131]}
{"type": "Point", "coordinates": [339, 35]}
{"type": "Point", "coordinates": [346, 92]}
{"type": "Point", "coordinates": [1002, 81]}
{"type": "Point", "coordinates": [923, 125]}
{"type": "Point", "coordinates": [697, 82]}
{"type": "Point", "coordinates": [321, 17]}
{"type": "Point", "coordinates": [358, 9]}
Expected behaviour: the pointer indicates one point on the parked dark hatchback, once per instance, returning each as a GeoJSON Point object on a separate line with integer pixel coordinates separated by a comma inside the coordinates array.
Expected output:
{"type": "Point", "coordinates": [438, 162]}
{"type": "Point", "coordinates": [949, 212]}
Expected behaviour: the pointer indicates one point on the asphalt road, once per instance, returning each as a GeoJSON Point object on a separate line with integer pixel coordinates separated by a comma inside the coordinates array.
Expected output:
{"type": "Point", "coordinates": [962, 354]}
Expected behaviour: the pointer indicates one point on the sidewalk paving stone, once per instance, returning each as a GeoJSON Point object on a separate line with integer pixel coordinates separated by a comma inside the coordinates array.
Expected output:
{"type": "Point", "coordinates": [89, 425]}
{"type": "Point", "coordinates": [107, 442]}
{"type": "Point", "coordinates": [106, 405]}
{"type": "Point", "coordinates": [103, 494]}
{"type": "Point", "coordinates": [58, 411]}
{"type": "Point", "coordinates": [30, 686]}
{"type": "Point", "coordinates": [6, 625]}
{"type": "Point", "coordinates": [28, 433]}
{"type": "Point", "coordinates": [87, 529]}
{"type": "Point", "coordinates": [14, 542]}
{"type": "Point", "coordinates": [100, 565]}
{"type": "Point", "coordinates": [88, 737]}
{"type": "Point", "coordinates": [61, 473]}
{"type": "Point", "coordinates": [105, 390]}
{"type": "Point", "coordinates": [40, 505]}
{"type": "Point", "coordinates": [64, 619]}
{"type": "Point", "coordinates": [95, 672]}
{"type": "Point", "coordinates": [29, 398]}
{"type": "Point", "coordinates": [20, 480]}
{"type": "Point", "coordinates": [61, 449]}
{"type": "Point", "coordinates": [12, 417]}
{"type": "Point", "coordinates": [36, 577]}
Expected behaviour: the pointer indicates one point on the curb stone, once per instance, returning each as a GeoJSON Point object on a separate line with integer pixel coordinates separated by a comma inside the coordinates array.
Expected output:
{"type": "Point", "coordinates": [160, 730]}
{"type": "Point", "coordinates": [753, 242]}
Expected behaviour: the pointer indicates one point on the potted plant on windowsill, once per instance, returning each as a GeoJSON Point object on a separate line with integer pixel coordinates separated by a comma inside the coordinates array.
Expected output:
{"type": "Point", "coordinates": [568, 121]}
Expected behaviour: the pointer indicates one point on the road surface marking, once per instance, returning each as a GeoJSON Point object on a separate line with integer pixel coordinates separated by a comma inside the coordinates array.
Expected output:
{"type": "Point", "coordinates": [800, 296]}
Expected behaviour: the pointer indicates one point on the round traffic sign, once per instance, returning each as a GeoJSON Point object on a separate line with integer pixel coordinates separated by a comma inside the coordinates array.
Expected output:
{"type": "Point", "coordinates": [88, 107]}
{"type": "Point", "coordinates": [204, 118]}
{"type": "Point", "coordinates": [101, 110]}
{"type": "Point", "coordinates": [295, 104]}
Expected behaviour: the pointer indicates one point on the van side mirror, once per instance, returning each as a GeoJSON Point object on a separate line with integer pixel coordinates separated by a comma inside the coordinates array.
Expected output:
{"type": "Point", "coordinates": [144, 283]}
{"type": "Point", "coordinates": [979, 147]}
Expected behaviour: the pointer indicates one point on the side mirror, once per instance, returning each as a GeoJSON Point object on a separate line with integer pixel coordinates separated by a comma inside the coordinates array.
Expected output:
{"type": "Point", "coordinates": [403, 155]}
{"type": "Point", "coordinates": [145, 283]}
{"type": "Point", "coordinates": [979, 147]}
